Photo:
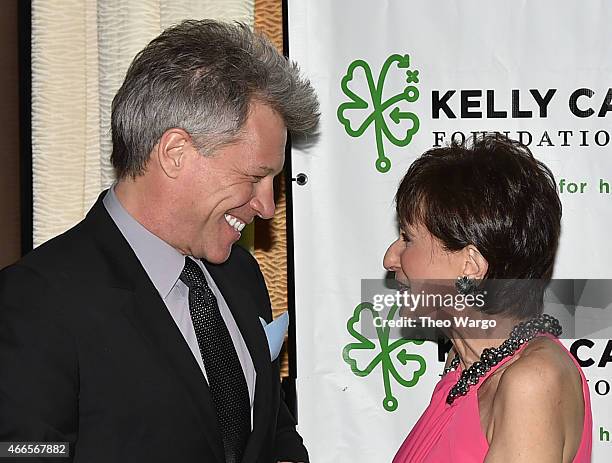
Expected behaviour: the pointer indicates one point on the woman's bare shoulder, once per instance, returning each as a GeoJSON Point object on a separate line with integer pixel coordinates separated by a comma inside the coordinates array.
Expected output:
{"type": "Point", "coordinates": [540, 389]}
{"type": "Point", "coordinates": [542, 366]}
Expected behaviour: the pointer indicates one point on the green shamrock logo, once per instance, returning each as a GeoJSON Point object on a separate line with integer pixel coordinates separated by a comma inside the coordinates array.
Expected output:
{"type": "Point", "coordinates": [382, 354]}
{"type": "Point", "coordinates": [374, 109]}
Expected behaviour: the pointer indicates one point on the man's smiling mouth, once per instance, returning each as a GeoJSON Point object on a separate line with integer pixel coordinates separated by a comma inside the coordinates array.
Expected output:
{"type": "Point", "coordinates": [234, 222]}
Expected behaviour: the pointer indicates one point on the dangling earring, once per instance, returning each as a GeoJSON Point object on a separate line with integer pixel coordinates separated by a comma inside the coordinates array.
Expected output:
{"type": "Point", "coordinates": [465, 285]}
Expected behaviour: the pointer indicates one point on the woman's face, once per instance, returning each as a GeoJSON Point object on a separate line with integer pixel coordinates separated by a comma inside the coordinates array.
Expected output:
{"type": "Point", "coordinates": [417, 257]}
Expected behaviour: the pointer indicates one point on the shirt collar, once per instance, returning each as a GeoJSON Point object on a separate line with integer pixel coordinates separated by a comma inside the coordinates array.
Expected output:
{"type": "Point", "coordinates": [162, 262]}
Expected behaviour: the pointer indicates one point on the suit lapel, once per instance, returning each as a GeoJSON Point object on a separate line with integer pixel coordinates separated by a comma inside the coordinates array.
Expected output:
{"type": "Point", "coordinates": [245, 313]}
{"type": "Point", "coordinates": [150, 317]}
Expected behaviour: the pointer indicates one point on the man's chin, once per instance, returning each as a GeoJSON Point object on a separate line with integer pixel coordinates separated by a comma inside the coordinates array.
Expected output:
{"type": "Point", "coordinates": [217, 256]}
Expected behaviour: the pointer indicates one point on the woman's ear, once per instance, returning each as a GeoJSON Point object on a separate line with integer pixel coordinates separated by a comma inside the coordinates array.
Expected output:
{"type": "Point", "coordinates": [475, 266]}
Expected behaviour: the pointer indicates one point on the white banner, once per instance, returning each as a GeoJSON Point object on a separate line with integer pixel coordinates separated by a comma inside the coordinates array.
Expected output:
{"type": "Point", "coordinates": [396, 78]}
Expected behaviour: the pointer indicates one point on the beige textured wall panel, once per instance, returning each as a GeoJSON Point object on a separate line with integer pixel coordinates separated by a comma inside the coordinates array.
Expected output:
{"type": "Point", "coordinates": [91, 172]}
{"type": "Point", "coordinates": [269, 19]}
{"type": "Point", "coordinates": [175, 11]}
{"type": "Point", "coordinates": [124, 28]}
{"type": "Point", "coordinates": [59, 115]}
{"type": "Point", "coordinates": [271, 236]}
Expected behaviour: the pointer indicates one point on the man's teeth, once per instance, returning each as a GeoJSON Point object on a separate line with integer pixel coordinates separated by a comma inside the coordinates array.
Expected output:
{"type": "Point", "coordinates": [234, 222]}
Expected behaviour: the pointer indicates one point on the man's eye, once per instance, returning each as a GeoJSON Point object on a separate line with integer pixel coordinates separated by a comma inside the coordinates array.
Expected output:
{"type": "Point", "coordinates": [405, 237]}
{"type": "Point", "coordinates": [257, 178]}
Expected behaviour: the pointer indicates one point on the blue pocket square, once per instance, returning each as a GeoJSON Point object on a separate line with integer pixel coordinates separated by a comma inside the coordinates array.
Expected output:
{"type": "Point", "coordinates": [275, 332]}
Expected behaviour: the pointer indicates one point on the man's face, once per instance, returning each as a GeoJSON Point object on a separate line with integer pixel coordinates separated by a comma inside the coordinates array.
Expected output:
{"type": "Point", "coordinates": [221, 193]}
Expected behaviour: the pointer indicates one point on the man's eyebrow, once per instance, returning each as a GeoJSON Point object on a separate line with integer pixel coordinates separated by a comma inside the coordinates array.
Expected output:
{"type": "Point", "coordinates": [266, 169]}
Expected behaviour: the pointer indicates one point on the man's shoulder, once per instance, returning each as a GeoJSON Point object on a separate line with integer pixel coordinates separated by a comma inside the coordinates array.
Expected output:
{"type": "Point", "coordinates": [60, 249]}
{"type": "Point", "coordinates": [61, 256]}
{"type": "Point", "coordinates": [32, 282]}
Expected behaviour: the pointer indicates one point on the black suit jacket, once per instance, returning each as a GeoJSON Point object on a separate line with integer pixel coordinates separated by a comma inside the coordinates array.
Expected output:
{"type": "Point", "coordinates": [89, 354]}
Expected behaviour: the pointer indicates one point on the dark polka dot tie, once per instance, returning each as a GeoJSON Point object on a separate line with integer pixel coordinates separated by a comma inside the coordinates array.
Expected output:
{"type": "Point", "coordinates": [226, 380]}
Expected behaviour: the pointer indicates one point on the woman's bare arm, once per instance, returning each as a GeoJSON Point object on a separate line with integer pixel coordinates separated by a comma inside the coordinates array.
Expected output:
{"type": "Point", "coordinates": [528, 419]}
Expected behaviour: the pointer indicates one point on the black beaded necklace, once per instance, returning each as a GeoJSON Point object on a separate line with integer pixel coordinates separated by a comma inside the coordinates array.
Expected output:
{"type": "Point", "coordinates": [520, 334]}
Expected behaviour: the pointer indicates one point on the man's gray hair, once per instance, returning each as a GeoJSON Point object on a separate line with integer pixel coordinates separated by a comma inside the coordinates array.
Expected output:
{"type": "Point", "coordinates": [201, 76]}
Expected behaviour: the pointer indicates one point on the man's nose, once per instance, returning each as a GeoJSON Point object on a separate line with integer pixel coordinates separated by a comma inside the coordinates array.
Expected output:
{"type": "Point", "coordinates": [392, 261]}
{"type": "Point", "coordinates": [263, 201]}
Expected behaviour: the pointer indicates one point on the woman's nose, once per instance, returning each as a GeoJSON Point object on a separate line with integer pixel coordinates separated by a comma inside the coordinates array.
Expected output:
{"type": "Point", "coordinates": [391, 261]}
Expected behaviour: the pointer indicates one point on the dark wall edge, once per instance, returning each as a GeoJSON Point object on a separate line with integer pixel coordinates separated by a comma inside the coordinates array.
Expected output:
{"type": "Point", "coordinates": [25, 123]}
{"type": "Point", "coordinates": [289, 383]}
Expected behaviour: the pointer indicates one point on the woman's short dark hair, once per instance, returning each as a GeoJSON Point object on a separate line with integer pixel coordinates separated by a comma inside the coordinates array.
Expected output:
{"type": "Point", "coordinates": [493, 194]}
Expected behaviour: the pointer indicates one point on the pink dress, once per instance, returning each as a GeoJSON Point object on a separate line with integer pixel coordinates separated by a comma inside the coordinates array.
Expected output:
{"type": "Point", "coordinates": [453, 432]}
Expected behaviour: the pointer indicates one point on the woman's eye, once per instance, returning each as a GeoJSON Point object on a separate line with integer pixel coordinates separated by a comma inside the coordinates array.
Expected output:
{"type": "Point", "coordinates": [405, 237]}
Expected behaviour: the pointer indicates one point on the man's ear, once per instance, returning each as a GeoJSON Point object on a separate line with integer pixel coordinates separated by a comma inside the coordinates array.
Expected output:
{"type": "Point", "coordinates": [476, 265]}
{"type": "Point", "coordinates": [171, 151]}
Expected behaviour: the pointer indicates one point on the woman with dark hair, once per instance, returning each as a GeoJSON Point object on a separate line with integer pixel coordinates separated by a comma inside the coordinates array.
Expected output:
{"type": "Point", "coordinates": [487, 217]}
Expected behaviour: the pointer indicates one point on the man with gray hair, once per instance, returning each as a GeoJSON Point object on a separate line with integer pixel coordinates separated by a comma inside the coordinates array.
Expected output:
{"type": "Point", "coordinates": [137, 336]}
